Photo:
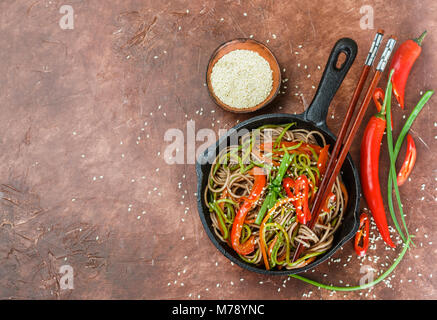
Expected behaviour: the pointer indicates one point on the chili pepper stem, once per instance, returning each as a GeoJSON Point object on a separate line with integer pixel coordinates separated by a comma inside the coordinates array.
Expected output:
{"type": "Point", "coordinates": [383, 112]}
{"type": "Point", "coordinates": [420, 38]}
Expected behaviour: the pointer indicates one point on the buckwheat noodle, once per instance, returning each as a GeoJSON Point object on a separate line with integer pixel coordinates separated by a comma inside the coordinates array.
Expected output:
{"type": "Point", "coordinates": [231, 180]}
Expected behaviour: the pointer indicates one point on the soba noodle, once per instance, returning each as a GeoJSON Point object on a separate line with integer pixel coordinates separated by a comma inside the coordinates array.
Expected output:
{"type": "Point", "coordinates": [231, 180]}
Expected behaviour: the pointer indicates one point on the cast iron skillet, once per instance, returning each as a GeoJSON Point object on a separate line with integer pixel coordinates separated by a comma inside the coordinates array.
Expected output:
{"type": "Point", "coordinates": [314, 118]}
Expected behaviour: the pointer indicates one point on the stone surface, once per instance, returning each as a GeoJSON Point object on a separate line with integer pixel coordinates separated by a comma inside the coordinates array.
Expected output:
{"type": "Point", "coordinates": [83, 181]}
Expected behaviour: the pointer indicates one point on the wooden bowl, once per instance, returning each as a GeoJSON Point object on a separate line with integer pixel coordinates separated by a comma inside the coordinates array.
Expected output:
{"type": "Point", "coordinates": [245, 44]}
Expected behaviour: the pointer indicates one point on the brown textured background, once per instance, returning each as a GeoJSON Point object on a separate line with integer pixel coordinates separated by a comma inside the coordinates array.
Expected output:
{"type": "Point", "coordinates": [79, 178]}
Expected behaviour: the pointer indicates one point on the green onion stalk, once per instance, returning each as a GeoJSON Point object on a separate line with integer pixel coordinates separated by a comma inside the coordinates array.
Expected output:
{"type": "Point", "coordinates": [364, 286]}
{"type": "Point", "coordinates": [274, 187]}
{"type": "Point", "coordinates": [393, 154]}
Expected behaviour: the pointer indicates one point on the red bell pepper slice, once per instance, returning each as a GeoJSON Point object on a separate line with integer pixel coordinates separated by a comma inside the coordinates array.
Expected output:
{"type": "Point", "coordinates": [362, 236]}
{"type": "Point", "coordinates": [323, 159]}
{"type": "Point", "coordinates": [300, 194]}
{"type": "Point", "coordinates": [410, 160]}
{"type": "Point", "coordinates": [288, 184]}
{"type": "Point", "coordinates": [249, 245]}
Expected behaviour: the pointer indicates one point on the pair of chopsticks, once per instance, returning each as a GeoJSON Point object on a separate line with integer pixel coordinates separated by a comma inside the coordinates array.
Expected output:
{"type": "Point", "coordinates": [344, 140]}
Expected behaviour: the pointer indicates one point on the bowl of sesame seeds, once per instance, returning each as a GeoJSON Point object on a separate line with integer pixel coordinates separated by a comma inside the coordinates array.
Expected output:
{"type": "Point", "coordinates": [243, 76]}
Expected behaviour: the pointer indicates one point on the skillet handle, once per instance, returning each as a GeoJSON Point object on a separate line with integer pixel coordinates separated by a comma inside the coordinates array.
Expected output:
{"type": "Point", "coordinates": [331, 80]}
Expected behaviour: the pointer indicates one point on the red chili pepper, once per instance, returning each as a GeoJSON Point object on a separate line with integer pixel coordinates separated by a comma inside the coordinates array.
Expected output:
{"type": "Point", "coordinates": [410, 160]}
{"type": "Point", "coordinates": [403, 60]}
{"type": "Point", "coordinates": [237, 227]}
{"type": "Point", "coordinates": [362, 236]}
{"type": "Point", "coordinates": [370, 148]}
{"type": "Point", "coordinates": [300, 194]}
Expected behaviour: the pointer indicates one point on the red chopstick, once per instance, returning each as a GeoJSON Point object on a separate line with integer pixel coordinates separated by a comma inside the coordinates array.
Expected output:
{"type": "Point", "coordinates": [350, 111]}
{"type": "Point", "coordinates": [336, 163]}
